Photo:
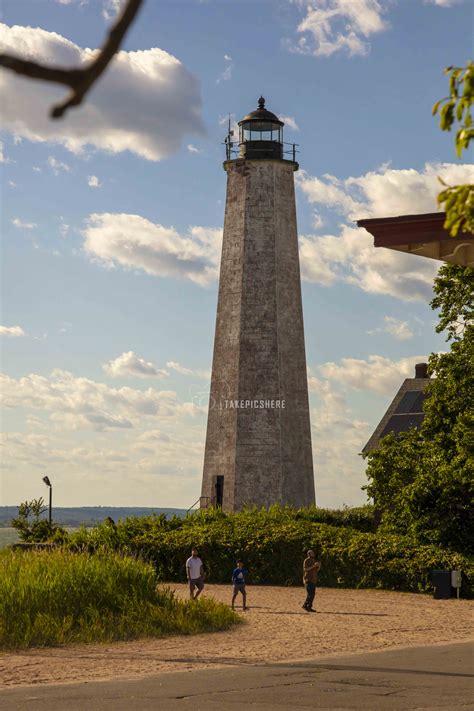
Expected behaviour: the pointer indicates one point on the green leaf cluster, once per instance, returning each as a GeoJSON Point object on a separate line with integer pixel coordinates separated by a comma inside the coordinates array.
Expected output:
{"type": "Point", "coordinates": [457, 106]}
{"type": "Point", "coordinates": [458, 200]}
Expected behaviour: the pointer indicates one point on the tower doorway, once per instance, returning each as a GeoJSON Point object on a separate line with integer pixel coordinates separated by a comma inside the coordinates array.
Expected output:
{"type": "Point", "coordinates": [219, 490]}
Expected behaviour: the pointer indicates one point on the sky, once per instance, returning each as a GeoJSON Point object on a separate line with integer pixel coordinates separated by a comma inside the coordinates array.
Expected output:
{"type": "Point", "coordinates": [112, 225]}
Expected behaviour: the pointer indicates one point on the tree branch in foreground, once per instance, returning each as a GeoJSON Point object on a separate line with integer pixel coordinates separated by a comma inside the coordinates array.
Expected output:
{"type": "Point", "coordinates": [79, 80]}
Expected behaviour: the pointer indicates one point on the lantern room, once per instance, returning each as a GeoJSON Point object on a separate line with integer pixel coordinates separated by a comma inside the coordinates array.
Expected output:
{"type": "Point", "coordinates": [261, 134]}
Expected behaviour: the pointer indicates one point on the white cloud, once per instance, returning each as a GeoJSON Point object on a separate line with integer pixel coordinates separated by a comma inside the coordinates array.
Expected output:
{"type": "Point", "coordinates": [80, 403]}
{"type": "Point", "coordinates": [290, 122]}
{"type": "Point", "coordinates": [93, 181]}
{"type": "Point", "coordinates": [394, 327]}
{"type": "Point", "coordinates": [352, 258]}
{"type": "Point", "coordinates": [442, 3]}
{"type": "Point", "coordinates": [193, 149]}
{"type": "Point", "coordinates": [3, 157]}
{"type": "Point", "coordinates": [11, 331]}
{"type": "Point", "coordinates": [146, 102]}
{"type": "Point", "coordinates": [12, 184]}
{"type": "Point", "coordinates": [331, 26]}
{"type": "Point", "coordinates": [57, 166]}
{"type": "Point", "coordinates": [386, 192]}
{"type": "Point", "coordinates": [23, 225]}
{"type": "Point", "coordinates": [173, 365]}
{"type": "Point", "coordinates": [130, 365]}
{"type": "Point", "coordinates": [338, 435]}
{"type": "Point", "coordinates": [111, 8]}
{"type": "Point", "coordinates": [227, 73]}
{"type": "Point", "coordinates": [133, 242]}
{"type": "Point", "coordinates": [376, 374]}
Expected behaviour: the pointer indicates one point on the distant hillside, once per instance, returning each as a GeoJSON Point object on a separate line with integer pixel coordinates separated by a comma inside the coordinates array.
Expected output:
{"type": "Point", "coordinates": [89, 515]}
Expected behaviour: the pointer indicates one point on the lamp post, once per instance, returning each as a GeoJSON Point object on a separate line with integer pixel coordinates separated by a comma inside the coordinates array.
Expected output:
{"type": "Point", "coordinates": [48, 483]}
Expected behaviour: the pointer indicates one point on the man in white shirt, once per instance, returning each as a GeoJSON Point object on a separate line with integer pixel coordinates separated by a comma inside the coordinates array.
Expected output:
{"type": "Point", "coordinates": [195, 574]}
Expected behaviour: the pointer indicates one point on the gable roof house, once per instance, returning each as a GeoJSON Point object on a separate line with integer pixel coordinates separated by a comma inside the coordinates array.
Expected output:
{"type": "Point", "coordinates": [405, 410]}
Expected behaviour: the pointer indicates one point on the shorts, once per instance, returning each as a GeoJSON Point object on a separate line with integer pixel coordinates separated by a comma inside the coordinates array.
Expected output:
{"type": "Point", "coordinates": [196, 583]}
{"type": "Point", "coordinates": [239, 588]}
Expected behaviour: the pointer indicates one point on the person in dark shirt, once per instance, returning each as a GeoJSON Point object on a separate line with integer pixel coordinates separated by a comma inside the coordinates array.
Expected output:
{"type": "Point", "coordinates": [311, 568]}
{"type": "Point", "coordinates": [238, 581]}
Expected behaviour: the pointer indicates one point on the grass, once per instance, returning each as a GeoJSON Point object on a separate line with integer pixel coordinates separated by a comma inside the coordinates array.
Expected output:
{"type": "Point", "coordinates": [57, 597]}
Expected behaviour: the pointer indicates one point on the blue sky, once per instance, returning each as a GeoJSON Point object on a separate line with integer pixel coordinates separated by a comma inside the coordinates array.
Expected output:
{"type": "Point", "coordinates": [112, 223]}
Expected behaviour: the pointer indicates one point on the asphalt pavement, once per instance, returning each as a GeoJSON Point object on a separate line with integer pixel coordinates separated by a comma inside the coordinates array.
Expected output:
{"type": "Point", "coordinates": [437, 677]}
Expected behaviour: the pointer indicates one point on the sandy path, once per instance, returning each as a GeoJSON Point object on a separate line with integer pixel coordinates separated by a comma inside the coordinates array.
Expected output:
{"type": "Point", "coordinates": [276, 629]}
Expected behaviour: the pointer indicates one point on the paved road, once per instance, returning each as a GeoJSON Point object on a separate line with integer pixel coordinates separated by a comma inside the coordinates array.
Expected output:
{"type": "Point", "coordinates": [439, 677]}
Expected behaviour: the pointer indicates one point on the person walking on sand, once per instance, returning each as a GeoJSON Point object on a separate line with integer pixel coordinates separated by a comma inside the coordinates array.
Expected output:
{"type": "Point", "coordinates": [195, 574]}
{"type": "Point", "coordinates": [238, 581]}
{"type": "Point", "coordinates": [311, 568]}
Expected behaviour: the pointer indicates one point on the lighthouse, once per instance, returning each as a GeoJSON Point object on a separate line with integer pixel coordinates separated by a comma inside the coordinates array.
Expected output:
{"type": "Point", "coordinates": [258, 443]}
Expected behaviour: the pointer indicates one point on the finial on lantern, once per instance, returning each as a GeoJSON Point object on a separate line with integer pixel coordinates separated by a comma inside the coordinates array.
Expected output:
{"type": "Point", "coordinates": [261, 103]}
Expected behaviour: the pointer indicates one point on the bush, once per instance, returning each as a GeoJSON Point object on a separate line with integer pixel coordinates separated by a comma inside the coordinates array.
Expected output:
{"type": "Point", "coordinates": [49, 598]}
{"type": "Point", "coordinates": [272, 543]}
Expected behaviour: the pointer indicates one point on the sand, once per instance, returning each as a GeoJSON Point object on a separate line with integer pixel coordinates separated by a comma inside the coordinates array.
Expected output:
{"type": "Point", "coordinates": [275, 629]}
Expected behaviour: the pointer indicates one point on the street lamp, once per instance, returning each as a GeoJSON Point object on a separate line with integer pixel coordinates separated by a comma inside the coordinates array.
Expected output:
{"type": "Point", "coordinates": [48, 483]}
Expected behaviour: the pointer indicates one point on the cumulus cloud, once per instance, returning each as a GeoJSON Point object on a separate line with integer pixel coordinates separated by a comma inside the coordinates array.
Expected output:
{"type": "Point", "coordinates": [339, 431]}
{"type": "Point", "coordinates": [331, 26]}
{"type": "Point", "coordinates": [57, 166]}
{"type": "Point", "coordinates": [394, 327]}
{"type": "Point", "coordinates": [12, 331]}
{"type": "Point", "coordinates": [93, 181]}
{"type": "Point", "coordinates": [351, 258]}
{"type": "Point", "coordinates": [376, 374]}
{"type": "Point", "coordinates": [133, 242]}
{"type": "Point", "coordinates": [227, 73]}
{"type": "Point", "coordinates": [385, 192]}
{"type": "Point", "coordinates": [338, 435]}
{"type": "Point", "coordinates": [130, 365]}
{"type": "Point", "coordinates": [442, 3]}
{"type": "Point", "coordinates": [16, 222]}
{"type": "Point", "coordinates": [111, 9]}
{"type": "Point", "coordinates": [146, 102]}
{"type": "Point", "coordinates": [80, 403]}
{"type": "Point", "coordinates": [3, 157]}
{"type": "Point", "coordinates": [290, 122]}
{"type": "Point", "coordinates": [193, 149]}
{"type": "Point", "coordinates": [173, 365]}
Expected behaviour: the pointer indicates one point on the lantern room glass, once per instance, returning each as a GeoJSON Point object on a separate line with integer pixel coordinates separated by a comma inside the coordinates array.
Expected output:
{"type": "Point", "coordinates": [261, 131]}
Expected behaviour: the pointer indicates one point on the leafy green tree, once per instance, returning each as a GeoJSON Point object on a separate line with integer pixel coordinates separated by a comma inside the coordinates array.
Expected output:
{"type": "Point", "coordinates": [423, 479]}
{"type": "Point", "coordinates": [32, 528]}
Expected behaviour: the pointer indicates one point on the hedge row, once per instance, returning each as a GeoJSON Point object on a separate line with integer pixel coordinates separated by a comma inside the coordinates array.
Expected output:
{"type": "Point", "coordinates": [272, 544]}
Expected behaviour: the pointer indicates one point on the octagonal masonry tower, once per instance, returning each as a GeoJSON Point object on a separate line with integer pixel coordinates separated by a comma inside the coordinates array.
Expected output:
{"type": "Point", "coordinates": [258, 444]}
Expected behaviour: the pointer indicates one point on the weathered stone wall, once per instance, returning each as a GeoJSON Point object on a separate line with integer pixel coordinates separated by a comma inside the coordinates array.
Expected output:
{"type": "Point", "coordinates": [263, 453]}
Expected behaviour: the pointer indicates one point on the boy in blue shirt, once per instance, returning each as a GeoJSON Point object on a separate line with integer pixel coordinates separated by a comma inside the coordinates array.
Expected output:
{"type": "Point", "coordinates": [238, 581]}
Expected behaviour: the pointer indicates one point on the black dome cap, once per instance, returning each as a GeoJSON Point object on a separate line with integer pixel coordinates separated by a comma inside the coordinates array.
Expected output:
{"type": "Point", "coordinates": [261, 114]}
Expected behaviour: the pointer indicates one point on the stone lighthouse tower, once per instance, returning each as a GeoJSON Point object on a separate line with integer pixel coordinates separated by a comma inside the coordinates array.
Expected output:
{"type": "Point", "coordinates": [258, 445]}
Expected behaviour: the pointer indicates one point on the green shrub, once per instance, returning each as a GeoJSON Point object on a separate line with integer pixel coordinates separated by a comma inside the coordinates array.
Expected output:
{"type": "Point", "coordinates": [55, 597]}
{"type": "Point", "coordinates": [272, 543]}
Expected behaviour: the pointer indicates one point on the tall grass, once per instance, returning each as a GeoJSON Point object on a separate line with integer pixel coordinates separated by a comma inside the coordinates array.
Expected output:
{"type": "Point", "coordinates": [57, 597]}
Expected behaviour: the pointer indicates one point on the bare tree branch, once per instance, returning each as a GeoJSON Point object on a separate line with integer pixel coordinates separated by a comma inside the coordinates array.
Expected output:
{"type": "Point", "coordinates": [79, 80]}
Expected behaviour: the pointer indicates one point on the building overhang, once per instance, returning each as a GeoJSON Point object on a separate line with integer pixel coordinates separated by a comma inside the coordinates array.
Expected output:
{"type": "Point", "coordinates": [424, 235]}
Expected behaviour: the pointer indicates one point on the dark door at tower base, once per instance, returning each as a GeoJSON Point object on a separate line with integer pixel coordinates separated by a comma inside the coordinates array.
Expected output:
{"type": "Point", "coordinates": [219, 490]}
